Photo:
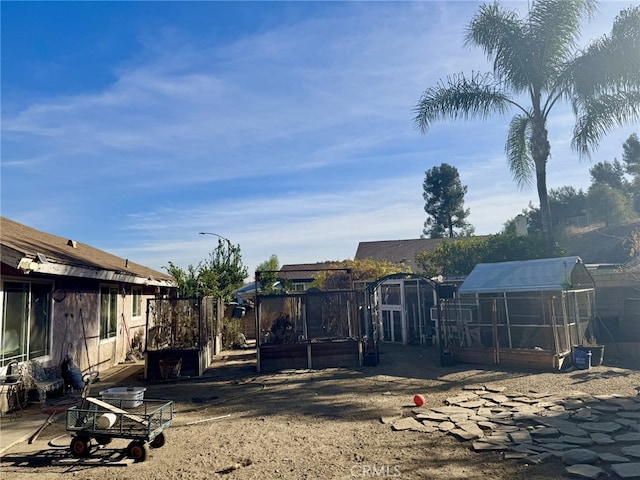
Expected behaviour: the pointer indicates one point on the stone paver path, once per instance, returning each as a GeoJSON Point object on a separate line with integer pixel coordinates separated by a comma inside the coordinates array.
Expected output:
{"type": "Point", "coordinates": [593, 435]}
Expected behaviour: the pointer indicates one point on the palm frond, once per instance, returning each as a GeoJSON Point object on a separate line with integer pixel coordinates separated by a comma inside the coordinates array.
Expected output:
{"type": "Point", "coordinates": [500, 34]}
{"type": "Point", "coordinates": [460, 97]}
{"type": "Point", "coordinates": [609, 64]}
{"type": "Point", "coordinates": [600, 114]}
{"type": "Point", "coordinates": [520, 162]}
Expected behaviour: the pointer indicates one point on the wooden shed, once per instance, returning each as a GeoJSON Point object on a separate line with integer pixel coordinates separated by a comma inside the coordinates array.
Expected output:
{"type": "Point", "coordinates": [524, 313]}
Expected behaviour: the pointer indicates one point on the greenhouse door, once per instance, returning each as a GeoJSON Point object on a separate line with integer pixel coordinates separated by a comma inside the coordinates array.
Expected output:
{"type": "Point", "coordinates": [392, 325]}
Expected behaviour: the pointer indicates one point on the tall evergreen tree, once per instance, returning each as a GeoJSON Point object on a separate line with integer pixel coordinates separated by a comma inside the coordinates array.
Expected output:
{"type": "Point", "coordinates": [444, 203]}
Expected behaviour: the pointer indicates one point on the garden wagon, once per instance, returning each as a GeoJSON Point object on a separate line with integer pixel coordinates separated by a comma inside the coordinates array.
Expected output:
{"type": "Point", "coordinates": [142, 421]}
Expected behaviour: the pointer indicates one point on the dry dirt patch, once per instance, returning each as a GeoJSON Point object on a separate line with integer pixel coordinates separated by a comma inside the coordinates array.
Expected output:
{"type": "Point", "coordinates": [237, 424]}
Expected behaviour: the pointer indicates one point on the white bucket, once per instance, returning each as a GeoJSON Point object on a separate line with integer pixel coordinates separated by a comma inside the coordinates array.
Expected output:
{"type": "Point", "coordinates": [106, 421]}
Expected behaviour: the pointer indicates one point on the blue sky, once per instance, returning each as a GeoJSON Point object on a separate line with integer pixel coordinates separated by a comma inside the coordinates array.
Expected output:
{"type": "Point", "coordinates": [286, 127]}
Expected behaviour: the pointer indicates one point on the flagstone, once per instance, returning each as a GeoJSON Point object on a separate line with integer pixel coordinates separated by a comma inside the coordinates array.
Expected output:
{"type": "Point", "coordinates": [431, 415]}
{"type": "Point", "coordinates": [612, 458]}
{"type": "Point", "coordinates": [451, 409]}
{"type": "Point", "coordinates": [529, 449]}
{"type": "Point", "coordinates": [545, 432]}
{"type": "Point", "coordinates": [484, 411]}
{"type": "Point", "coordinates": [408, 423]}
{"type": "Point", "coordinates": [579, 455]}
{"type": "Point", "coordinates": [539, 458]}
{"type": "Point", "coordinates": [458, 417]}
{"type": "Point", "coordinates": [446, 426]}
{"type": "Point", "coordinates": [602, 439]}
{"type": "Point", "coordinates": [463, 434]}
{"type": "Point", "coordinates": [521, 436]}
{"type": "Point", "coordinates": [495, 388]}
{"type": "Point", "coordinates": [497, 397]}
{"type": "Point", "coordinates": [461, 398]}
{"type": "Point", "coordinates": [626, 422]}
{"type": "Point", "coordinates": [480, 445]}
{"type": "Point", "coordinates": [507, 428]}
{"type": "Point", "coordinates": [626, 404]}
{"type": "Point", "coordinates": [584, 471]}
{"type": "Point", "coordinates": [603, 427]}
{"type": "Point", "coordinates": [631, 415]}
{"type": "Point", "coordinates": [605, 408]}
{"type": "Point", "coordinates": [585, 414]}
{"type": "Point", "coordinates": [487, 425]}
{"type": "Point", "coordinates": [628, 437]}
{"type": "Point", "coordinates": [573, 431]}
{"type": "Point", "coordinates": [626, 470]}
{"type": "Point", "coordinates": [497, 439]}
{"type": "Point", "coordinates": [502, 421]}
{"type": "Point", "coordinates": [472, 404]}
{"type": "Point", "coordinates": [473, 387]}
{"type": "Point", "coordinates": [559, 446]}
{"type": "Point", "coordinates": [632, 451]}
{"type": "Point", "coordinates": [584, 441]}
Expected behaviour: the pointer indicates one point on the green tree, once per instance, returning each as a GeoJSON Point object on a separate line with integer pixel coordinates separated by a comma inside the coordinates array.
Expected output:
{"type": "Point", "coordinates": [631, 155]}
{"type": "Point", "coordinates": [355, 271]}
{"type": "Point", "coordinates": [267, 275]}
{"type": "Point", "coordinates": [609, 173]}
{"type": "Point", "coordinates": [564, 202]}
{"type": "Point", "coordinates": [608, 205]}
{"type": "Point", "coordinates": [459, 257]}
{"type": "Point", "coordinates": [537, 58]}
{"type": "Point", "coordinates": [631, 160]}
{"type": "Point", "coordinates": [219, 275]}
{"type": "Point", "coordinates": [443, 194]}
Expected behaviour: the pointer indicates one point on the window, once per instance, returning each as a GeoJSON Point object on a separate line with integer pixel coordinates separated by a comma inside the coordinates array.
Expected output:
{"type": "Point", "coordinates": [108, 312]}
{"type": "Point", "coordinates": [26, 321]}
{"type": "Point", "coordinates": [298, 287]}
{"type": "Point", "coordinates": [136, 299]}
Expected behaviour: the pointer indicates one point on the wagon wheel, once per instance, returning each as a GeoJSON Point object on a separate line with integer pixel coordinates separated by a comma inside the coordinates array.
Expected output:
{"type": "Point", "coordinates": [137, 451]}
{"type": "Point", "coordinates": [104, 439]}
{"type": "Point", "coordinates": [159, 441]}
{"type": "Point", "coordinates": [80, 447]}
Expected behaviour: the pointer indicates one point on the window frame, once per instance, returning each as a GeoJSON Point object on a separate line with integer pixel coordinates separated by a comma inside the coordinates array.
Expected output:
{"type": "Point", "coordinates": [108, 313]}
{"type": "Point", "coordinates": [136, 302]}
{"type": "Point", "coordinates": [31, 323]}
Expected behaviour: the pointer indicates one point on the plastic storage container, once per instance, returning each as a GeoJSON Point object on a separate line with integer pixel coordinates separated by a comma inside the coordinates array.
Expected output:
{"type": "Point", "coordinates": [582, 359]}
{"type": "Point", "coordinates": [123, 397]}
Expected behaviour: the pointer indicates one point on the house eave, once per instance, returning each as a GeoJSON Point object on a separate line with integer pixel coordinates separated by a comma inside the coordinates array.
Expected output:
{"type": "Point", "coordinates": [62, 270]}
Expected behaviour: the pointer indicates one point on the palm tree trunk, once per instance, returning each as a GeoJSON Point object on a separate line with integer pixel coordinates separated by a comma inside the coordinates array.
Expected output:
{"type": "Point", "coordinates": [540, 150]}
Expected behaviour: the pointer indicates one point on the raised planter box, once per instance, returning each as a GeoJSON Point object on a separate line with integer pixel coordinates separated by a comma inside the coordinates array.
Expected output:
{"type": "Point", "coordinates": [193, 362]}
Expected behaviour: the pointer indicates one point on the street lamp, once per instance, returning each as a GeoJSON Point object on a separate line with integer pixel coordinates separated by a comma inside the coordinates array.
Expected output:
{"type": "Point", "coordinates": [215, 234]}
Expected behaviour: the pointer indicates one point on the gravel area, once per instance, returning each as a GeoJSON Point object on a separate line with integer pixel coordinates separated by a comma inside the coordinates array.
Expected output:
{"type": "Point", "coordinates": [326, 424]}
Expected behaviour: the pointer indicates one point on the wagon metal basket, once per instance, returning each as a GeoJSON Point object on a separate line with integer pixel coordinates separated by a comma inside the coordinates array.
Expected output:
{"type": "Point", "coordinates": [101, 420]}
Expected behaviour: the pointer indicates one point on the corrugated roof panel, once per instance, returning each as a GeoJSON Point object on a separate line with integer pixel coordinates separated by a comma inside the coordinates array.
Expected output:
{"type": "Point", "coordinates": [527, 275]}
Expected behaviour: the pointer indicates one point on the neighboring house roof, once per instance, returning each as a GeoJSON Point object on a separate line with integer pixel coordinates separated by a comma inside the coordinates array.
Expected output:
{"type": "Point", "coordinates": [302, 272]}
{"type": "Point", "coordinates": [27, 249]}
{"type": "Point", "coordinates": [398, 251]}
{"type": "Point", "coordinates": [527, 275]}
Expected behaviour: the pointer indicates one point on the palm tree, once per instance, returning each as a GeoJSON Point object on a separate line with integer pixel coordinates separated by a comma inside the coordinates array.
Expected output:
{"type": "Point", "coordinates": [536, 60]}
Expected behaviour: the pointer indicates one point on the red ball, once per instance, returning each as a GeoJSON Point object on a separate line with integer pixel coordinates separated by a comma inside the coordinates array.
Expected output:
{"type": "Point", "coordinates": [419, 400]}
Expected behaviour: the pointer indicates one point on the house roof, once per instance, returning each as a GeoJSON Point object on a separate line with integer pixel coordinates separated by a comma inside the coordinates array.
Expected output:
{"type": "Point", "coordinates": [398, 251]}
{"type": "Point", "coordinates": [30, 250]}
{"type": "Point", "coordinates": [526, 275]}
{"type": "Point", "coordinates": [302, 272]}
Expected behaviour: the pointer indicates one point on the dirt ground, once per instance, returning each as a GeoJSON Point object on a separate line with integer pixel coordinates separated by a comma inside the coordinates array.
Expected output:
{"type": "Point", "coordinates": [235, 423]}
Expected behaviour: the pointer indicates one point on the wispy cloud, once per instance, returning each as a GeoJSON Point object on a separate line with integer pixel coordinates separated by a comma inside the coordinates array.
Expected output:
{"type": "Point", "coordinates": [294, 138]}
